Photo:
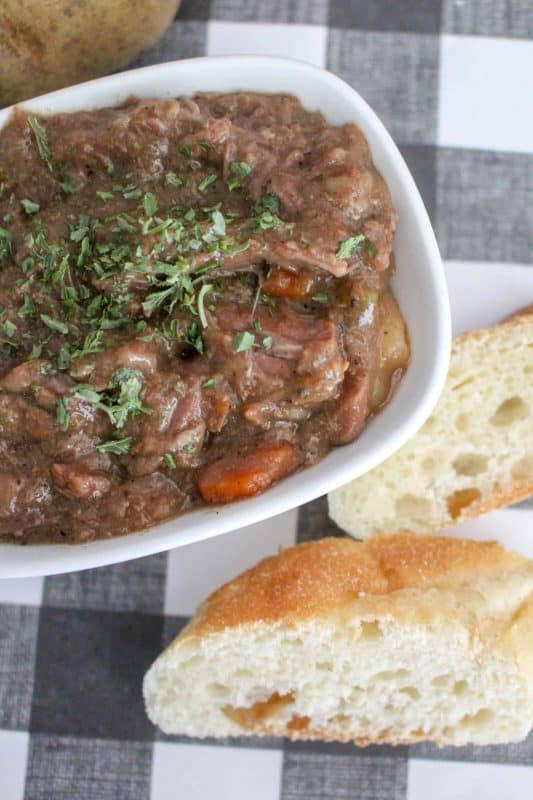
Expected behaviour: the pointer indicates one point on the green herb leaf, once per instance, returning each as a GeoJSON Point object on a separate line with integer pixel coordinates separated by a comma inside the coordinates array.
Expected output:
{"type": "Point", "coordinates": [171, 179]}
{"type": "Point", "coordinates": [239, 170]}
{"type": "Point", "coordinates": [207, 181]}
{"type": "Point", "coordinates": [27, 308]}
{"type": "Point", "coordinates": [193, 336]}
{"type": "Point", "coordinates": [219, 223]}
{"type": "Point", "coordinates": [209, 384]}
{"type": "Point", "coordinates": [267, 342]}
{"type": "Point", "coordinates": [54, 324]}
{"type": "Point", "coordinates": [29, 206]}
{"type": "Point", "coordinates": [9, 328]}
{"type": "Point", "coordinates": [5, 243]}
{"type": "Point", "coordinates": [350, 246]}
{"type": "Point", "coordinates": [371, 249]}
{"type": "Point", "coordinates": [117, 447]}
{"type": "Point", "coordinates": [41, 140]}
{"type": "Point", "coordinates": [169, 461]}
{"type": "Point", "coordinates": [206, 288]}
{"type": "Point", "coordinates": [243, 341]}
{"type": "Point", "coordinates": [131, 192]}
{"type": "Point", "coordinates": [105, 196]}
{"type": "Point", "coordinates": [321, 297]}
{"type": "Point", "coordinates": [149, 204]}
{"type": "Point", "coordinates": [270, 202]}
{"type": "Point", "coordinates": [62, 416]}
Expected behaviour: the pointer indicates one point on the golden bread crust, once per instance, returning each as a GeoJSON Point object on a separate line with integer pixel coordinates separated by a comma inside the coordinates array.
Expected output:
{"type": "Point", "coordinates": [315, 578]}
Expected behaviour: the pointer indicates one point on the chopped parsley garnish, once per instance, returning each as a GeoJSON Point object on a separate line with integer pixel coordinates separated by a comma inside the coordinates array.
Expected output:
{"type": "Point", "coordinates": [209, 384]}
{"type": "Point", "coordinates": [171, 179]}
{"type": "Point", "coordinates": [117, 447]}
{"type": "Point", "coordinates": [120, 400]}
{"type": "Point", "coordinates": [168, 458]}
{"type": "Point", "coordinates": [29, 206]}
{"type": "Point", "coordinates": [5, 243]}
{"type": "Point", "coordinates": [149, 204]}
{"type": "Point", "coordinates": [350, 246]}
{"type": "Point", "coordinates": [267, 342]}
{"type": "Point", "coordinates": [131, 192]}
{"type": "Point", "coordinates": [54, 324]}
{"type": "Point", "coordinates": [41, 140]}
{"type": "Point", "coordinates": [265, 213]}
{"type": "Point", "coordinates": [194, 337]}
{"type": "Point", "coordinates": [243, 341]}
{"type": "Point", "coordinates": [206, 288]}
{"type": "Point", "coordinates": [105, 196]}
{"type": "Point", "coordinates": [9, 328]}
{"type": "Point", "coordinates": [320, 297]}
{"type": "Point", "coordinates": [27, 308]}
{"type": "Point", "coordinates": [239, 170]}
{"type": "Point", "coordinates": [207, 181]}
{"type": "Point", "coordinates": [219, 223]}
{"type": "Point", "coordinates": [371, 249]}
{"type": "Point", "coordinates": [62, 416]}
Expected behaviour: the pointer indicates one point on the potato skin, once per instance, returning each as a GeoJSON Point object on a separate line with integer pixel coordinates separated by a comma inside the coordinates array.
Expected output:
{"type": "Point", "coordinates": [55, 43]}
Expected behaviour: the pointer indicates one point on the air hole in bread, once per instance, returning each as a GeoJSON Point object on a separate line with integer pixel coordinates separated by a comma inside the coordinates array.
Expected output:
{"type": "Point", "coordinates": [391, 675]}
{"type": "Point", "coordinates": [411, 692]}
{"type": "Point", "coordinates": [511, 410]}
{"type": "Point", "coordinates": [249, 716]}
{"type": "Point", "coordinates": [441, 680]}
{"type": "Point", "coordinates": [462, 422]}
{"type": "Point", "coordinates": [478, 720]}
{"type": "Point", "coordinates": [460, 688]}
{"type": "Point", "coordinates": [370, 631]}
{"type": "Point", "coordinates": [461, 499]}
{"type": "Point", "coordinates": [218, 691]}
{"type": "Point", "coordinates": [470, 464]}
{"type": "Point", "coordinates": [416, 508]}
{"type": "Point", "coordinates": [324, 666]}
{"type": "Point", "coordinates": [522, 470]}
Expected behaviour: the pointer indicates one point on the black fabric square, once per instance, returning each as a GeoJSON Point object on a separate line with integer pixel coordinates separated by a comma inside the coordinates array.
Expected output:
{"type": "Point", "coordinates": [383, 15]}
{"type": "Point", "coordinates": [194, 9]}
{"type": "Point", "coordinates": [137, 585]}
{"type": "Point", "coordinates": [65, 768]}
{"type": "Point", "coordinates": [18, 641]}
{"type": "Point", "coordinates": [343, 777]}
{"type": "Point", "coordinates": [314, 522]}
{"type": "Point", "coordinates": [89, 671]}
{"type": "Point", "coordinates": [184, 39]}
{"type": "Point", "coordinates": [422, 161]}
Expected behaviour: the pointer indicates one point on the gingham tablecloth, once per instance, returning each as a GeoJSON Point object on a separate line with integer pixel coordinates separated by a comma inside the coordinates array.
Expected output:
{"type": "Point", "coordinates": [453, 82]}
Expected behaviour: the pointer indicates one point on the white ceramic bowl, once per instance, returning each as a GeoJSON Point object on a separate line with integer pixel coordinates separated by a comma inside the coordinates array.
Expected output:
{"type": "Point", "coordinates": [419, 286]}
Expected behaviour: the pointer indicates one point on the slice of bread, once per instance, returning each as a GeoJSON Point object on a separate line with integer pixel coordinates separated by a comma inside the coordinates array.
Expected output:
{"type": "Point", "coordinates": [399, 639]}
{"type": "Point", "coordinates": [475, 452]}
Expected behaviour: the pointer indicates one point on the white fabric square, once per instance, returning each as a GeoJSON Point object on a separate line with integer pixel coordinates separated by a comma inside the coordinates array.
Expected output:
{"type": "Point", "coordinates": [204, 772]}
{"type": "Point", "coordinates": [511, 526]}
{"type": "Point", "coordinates": [455, 780]}
{"type": "Point", "coordinates": [196, 570]}
{"type": "Point", "coordinates": [304, 42]}
{"type": "Point", "coordinates": [13, 760]}
{"type": "Point", "coordinates": [485, 99]}
{"type": "Point", "coordinates": [22, 591]}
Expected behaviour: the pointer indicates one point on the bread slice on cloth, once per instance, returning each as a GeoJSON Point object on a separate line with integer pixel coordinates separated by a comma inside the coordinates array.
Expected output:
{"type": "Point", "coordinates": [475, 452]}
{"type": "Point", "coordinates": [399, 639]}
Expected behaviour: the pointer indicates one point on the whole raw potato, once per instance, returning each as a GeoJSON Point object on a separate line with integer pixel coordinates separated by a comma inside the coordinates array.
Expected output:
{"type": "Point", "coordinates": [47, 44]}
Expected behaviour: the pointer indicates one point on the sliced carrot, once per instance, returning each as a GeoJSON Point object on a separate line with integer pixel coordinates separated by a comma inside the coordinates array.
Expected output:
{"type": "Point", "coordinates": [233, 478]}
{"type": "Point", "coordinates": [283, 283]}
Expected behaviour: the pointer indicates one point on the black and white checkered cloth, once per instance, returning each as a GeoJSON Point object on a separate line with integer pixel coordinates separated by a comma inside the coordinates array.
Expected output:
{"type": "Point", "coordinates": [453, 82]}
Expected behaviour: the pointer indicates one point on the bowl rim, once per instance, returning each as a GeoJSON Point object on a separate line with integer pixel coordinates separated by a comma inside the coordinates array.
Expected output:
{"type": "Point", "coordinates": [40, 560]}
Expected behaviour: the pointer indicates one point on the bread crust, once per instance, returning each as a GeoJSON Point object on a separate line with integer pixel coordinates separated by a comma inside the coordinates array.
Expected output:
{"type": "Point", "coordinates": [314, 578]}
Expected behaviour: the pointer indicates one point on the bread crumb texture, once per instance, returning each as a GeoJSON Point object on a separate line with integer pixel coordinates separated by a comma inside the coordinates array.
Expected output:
{"type": "Point", "coordinates": [396, 640]}
{"type": "Point", "coordinates": [475, 452]}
